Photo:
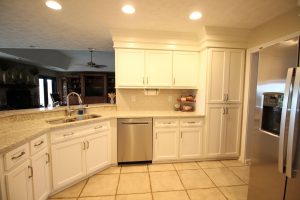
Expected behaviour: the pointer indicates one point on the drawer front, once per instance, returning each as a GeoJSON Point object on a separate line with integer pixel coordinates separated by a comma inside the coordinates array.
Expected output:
{"type": "Point", "coordinates": [191, 122]}
{"type": "Point", "coordinates": [16, 156]}
{"type": "Point", "coordinates": [78, 131]}
{"type": "Point", "coordinates": [165, 123]}
{"type": "Point", "coordinates": [38, 144]}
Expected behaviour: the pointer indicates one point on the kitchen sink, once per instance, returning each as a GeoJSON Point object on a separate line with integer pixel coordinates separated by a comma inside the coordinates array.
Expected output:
{"type": "Point", "coordinates": [72, 119]}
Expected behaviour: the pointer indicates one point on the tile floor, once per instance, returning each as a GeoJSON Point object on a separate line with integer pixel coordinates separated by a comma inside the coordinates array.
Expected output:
{"type": "Point", "coordinates": [209, 180]}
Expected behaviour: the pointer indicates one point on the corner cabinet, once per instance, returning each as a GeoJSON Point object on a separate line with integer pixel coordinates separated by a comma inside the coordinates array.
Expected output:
{"type": "Point", "coordinates": [177, 139]}
{"type": "Point", "coordinates": [156, 69]}
{"type": "Point", "coordinates": [79, 151]}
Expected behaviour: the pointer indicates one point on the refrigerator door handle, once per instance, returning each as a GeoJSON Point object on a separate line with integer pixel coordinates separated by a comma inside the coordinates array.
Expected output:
{"type": "Point", "coordinates": [292, 131]}
{"type": "Point", "coordinates": [282, 135]}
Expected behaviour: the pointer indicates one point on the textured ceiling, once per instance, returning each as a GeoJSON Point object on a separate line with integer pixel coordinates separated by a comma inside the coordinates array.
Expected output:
{"type": "Point", "coordinates": [87, 23]}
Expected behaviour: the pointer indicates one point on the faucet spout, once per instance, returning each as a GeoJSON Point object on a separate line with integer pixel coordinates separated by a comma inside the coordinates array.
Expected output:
{"type": "Point", "coordinates": [68, 101]}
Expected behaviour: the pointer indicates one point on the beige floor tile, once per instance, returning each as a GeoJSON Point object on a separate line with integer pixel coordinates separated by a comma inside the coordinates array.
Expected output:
{"type": "Point", "coordinates": [223, 177]}
{"type": "Point", "coordinates": [193, 179]}
{"type": "Point", "coordinates": [232, 163]}
{"type": "Point", "coordinates": [241, 172]}
{"type": "Point", "coordinates": [188, 165]}
{"type": "Point", "coordinates": [147, 196]}
{"type": "Point", "coordinates": [165, 181]}
{"type": "Point", "coordinates": [101, 185]}
{"type": "Point", "coordinates": [172, 195]}
{"type": "Point", "coordinates": [206, 194]}
{"type": "Point", "coordinates": [73, 191]}
{"type": "Point", "coordinates": [98, 198]}
{"type": "Point", "coordinates": [235, 192]}
{"type": "Point", "coordinates": [111, 170]}
{"type": "Point", "coordinates": [64, 199]}
{"type": "Point", "coordinates": [160, 167]}
{"type": "Point", "coordinates": [134, 183]}
{"type": "Point", "coordinates": [134, 169]}
{"type": "Point", "coordinates": [210, 164]}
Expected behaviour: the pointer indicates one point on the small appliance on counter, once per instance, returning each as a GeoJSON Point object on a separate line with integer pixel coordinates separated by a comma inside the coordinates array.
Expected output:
{"type": "Point", "coordinates": [185, 103]}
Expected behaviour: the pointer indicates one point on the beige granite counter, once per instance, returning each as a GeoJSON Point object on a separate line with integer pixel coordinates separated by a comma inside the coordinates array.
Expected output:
{"type": "Point", "coordinates": [15, 132]}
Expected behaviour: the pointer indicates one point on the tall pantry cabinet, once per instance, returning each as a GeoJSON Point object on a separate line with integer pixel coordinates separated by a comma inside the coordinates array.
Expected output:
{"type": "Point", "coordinates": [224, 102]}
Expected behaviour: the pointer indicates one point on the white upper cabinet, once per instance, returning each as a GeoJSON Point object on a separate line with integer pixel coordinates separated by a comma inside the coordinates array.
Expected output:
{"type": "Point", "coordinates": [185, 69]}
{"type": "Point", "coordinates": [158, 68]}
{"type": "Point", "coordinates": [130, 65]}
{"type": "Point", "coordinates": [226, 75]}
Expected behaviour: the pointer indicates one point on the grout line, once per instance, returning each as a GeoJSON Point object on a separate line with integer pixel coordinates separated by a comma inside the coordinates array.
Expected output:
{"type": "Point", "coordinates": [118, 183]}
{"type": "Point", "coordinates": [87, 180]}
{"type": "Point", "coordinates": [150, 183]}
{"type": "Point", "coordinates": [185, 189]}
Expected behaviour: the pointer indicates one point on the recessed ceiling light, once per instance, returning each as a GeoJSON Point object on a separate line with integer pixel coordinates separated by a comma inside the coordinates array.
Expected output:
{"type": "Point", "coordinates": [128, 9]}
{"type": "Point", "coordinates": [195, 15]}
{"type": "Point", "coordinates": [53, 4]}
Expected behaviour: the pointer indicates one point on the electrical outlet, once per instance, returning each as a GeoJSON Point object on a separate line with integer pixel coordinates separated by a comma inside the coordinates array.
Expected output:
{"type": "Point", "coordinates": [170, 99]}
{"type": "Point", "coordinates": [133, 98]}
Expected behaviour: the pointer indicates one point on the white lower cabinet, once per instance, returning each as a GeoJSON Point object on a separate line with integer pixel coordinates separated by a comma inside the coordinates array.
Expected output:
{"type": "Point", "coordinates": [41, 174]}
{"type": "Point", "coordinates": [177, 139]}
{"type": "Point", "coordinates": [80, 156]}
{"type": "Point", "coordinates": [222, 138]}
{"type": "Point", "coordinates": [19, 182]}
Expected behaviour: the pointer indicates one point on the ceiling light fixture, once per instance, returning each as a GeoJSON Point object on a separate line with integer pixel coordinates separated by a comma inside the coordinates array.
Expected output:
{"type": "Point", "coordinates": [53, 4]}
{"type": "Point", "coordinates": [128, 9]}
{"type": "Point", "coordinates": [195, 15]}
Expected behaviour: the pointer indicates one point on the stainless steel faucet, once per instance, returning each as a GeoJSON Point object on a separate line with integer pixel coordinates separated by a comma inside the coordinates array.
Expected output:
{"type": "Point", "coordinates": [68, 102]}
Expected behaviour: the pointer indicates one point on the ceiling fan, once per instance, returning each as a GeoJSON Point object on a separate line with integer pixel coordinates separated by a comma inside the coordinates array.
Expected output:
{"type": "Point", "coordinates": [91, 63]}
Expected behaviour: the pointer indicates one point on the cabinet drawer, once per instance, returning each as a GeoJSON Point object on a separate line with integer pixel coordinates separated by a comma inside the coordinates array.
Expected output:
{"type": "Point", "coordinates": [38, 144]}
{"type": "Point", "coordinates": [162, 123]}
{"type": "Point", "coordinates": [191, 122]}
{"type": "Point", "coordinates": [78, 131]}
{"type": "Point", "coordinates": [16, 156]}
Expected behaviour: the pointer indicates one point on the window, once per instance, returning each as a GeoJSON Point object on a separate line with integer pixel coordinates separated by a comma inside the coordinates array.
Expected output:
{"type": "Point", "coordinates": [47, 86]}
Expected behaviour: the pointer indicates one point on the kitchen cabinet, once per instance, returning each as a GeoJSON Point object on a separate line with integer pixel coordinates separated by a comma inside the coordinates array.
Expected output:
{"type": "Point", "coordinates": [79, 151]}
{"type": "Point", "coordinates": [225, 75]}
{"type": "Point", "coordinates": [185, 69]}
{"type": "Point", "coordinates": [41, 174]}
{"type": "Point", "coordinates": [158, 65]}
{"type": "Point", "coordinates": [130, 67]}
{"type": "Point", "coordinates": [19, 182]}
{"type": "Point", "coordinates": [156, 69]}
{"type": "Point", "coordinates": [222, 138]}
{"type": "Point", "coordinates": [176, 139]}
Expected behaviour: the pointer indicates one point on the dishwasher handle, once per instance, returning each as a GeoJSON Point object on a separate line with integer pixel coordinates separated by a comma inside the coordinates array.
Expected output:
{"type": "Point", "coordinates": [129, 123]}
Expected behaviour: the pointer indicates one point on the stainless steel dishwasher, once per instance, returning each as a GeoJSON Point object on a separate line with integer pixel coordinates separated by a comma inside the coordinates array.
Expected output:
{"type": "Point", "coordinates": [134, 140]}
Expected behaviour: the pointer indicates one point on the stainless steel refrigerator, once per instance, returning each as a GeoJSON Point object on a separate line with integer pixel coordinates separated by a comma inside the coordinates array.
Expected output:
{"type": "Point", "coordinates": [275, 137]}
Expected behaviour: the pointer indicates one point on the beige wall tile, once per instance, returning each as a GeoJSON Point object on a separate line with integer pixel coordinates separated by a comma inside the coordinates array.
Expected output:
{"type": "Point", "coordinates": [134, 183]}
{"type": "Point", "coordinates": [173, 195]}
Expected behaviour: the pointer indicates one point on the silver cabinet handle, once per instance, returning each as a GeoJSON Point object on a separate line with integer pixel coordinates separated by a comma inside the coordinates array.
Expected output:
{"type": "Point", "coordinates": [283, 133]}
{"type": "Point", "coordinates": [87, 144]}
{"type": "Point", "coordinates": [18, 156]}
{"type": "Point", "coordinates": [48, 158]}
{"type": "Point", "coordinates": [226, 111]}
{"type": "Point", "coordinates": [143, 80]}
{"type": "Point", "coordinates": [98, 127]}
{"type": "Point", "coordinates": [84, 146]}
{"type": "Point", "coordinates": [181, 134]}
{"type": "Point", "coordinates": [69, 134]}
{"type": "Point", "coordinates": [223, 111]}
{"type": "Point", "coordinates": [30, 171]}
{"type": "Point", "coordinates": [41, 142]}
{"type": "Point", "coordinates": [227, 97]}
{"type": "Point", "coordinates": [191, 122]}
{"type": "Point", "coordinates": [292, 135]}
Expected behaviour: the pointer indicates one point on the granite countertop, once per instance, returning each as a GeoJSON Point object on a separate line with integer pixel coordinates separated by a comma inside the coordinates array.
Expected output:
{"type": "Point", "coordinates": [16, 133]}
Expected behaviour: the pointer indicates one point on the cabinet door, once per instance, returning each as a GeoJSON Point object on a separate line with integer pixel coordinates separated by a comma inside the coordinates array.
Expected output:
{"type": "Point", "coordinates": [235, 75]}
{"type": "Point", "coordinates": [19, 182]}
{"type": "Point", "coordinates": [130, 67]}
{"type": "Point", "coordinates": [68, 162]}
{"type": "Point", "coordinates": [185, 69]}
{"type": "Point", "coordinates": [214, 131]}
{"type": "Point", "coordinates": [41, 180]}
{"type": "Point", "coordinates": [217, 86]}
{"type": "Point", "coordinates": [158, 68]}
{"type": "Point", "coordinates": [166, 144]}
{"type": "Point", "coordinates": [190, 142]}
{"type": "Point", "coordinates": [97, 151]}
{"type": "Point", "coordinates": [232, 133]}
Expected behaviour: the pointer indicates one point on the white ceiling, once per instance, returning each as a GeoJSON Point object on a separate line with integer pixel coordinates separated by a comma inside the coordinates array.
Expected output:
{"type": "Point", "coordinates": [87, 23]}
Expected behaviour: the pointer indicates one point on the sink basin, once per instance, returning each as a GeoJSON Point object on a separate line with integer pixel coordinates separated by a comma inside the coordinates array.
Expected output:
{"type": "Point", "coordinates": [73, 119]}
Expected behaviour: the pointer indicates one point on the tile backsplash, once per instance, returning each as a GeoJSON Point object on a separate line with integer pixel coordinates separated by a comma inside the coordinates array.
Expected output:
{"type": "Point", "coordinates": [135, 99]}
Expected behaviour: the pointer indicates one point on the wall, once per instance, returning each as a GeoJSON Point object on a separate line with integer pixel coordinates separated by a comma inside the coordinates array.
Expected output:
{"type": "Point", "coordinates": [280, 26]}
{"type": "Point", "coordinates": [135, 99]}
